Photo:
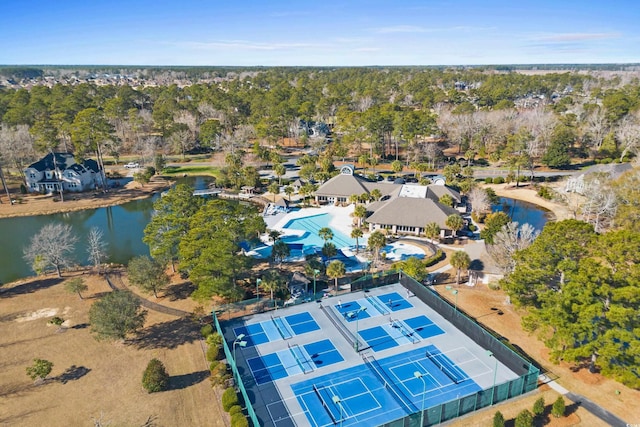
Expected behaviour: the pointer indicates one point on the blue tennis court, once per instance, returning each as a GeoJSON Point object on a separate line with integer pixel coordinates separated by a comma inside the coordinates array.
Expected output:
{"type": "Point", "coordinates": [394, 301]}
{"type": "Point", "coordinates": [381, 391]}
{"type": "Point", "coordinates": [277, 328]}
{"type": "Point", "coordinates": [400, 332]}
{"type": "Point", "coordinates": [293, 360]}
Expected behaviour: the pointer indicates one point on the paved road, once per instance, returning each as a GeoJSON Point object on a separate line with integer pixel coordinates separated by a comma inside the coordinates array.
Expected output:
{"type": "Point", "coordinates": [597, 410]}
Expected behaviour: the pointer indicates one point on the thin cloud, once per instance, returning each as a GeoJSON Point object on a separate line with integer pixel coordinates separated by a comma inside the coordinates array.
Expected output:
{"type": "Point", "coordinates": [243, 45]}
{"type": "Point", "coordinates": [419, 29]}
{"type": "Point", "coordinates": [368, 49]}
{"type": "Point", "coordinates": [575, 37]}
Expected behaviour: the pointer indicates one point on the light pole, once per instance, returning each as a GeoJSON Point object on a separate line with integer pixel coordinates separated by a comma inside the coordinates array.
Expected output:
{"type": "Point", "coordinates": [258, 281]}
{"type": "Point", "coordinates": [338, 402]}
{"type": "Point", "coordinates": [238, 341]}
{"type": "Point", "coordinates": [495, 373]}
{"type": "Point", "coordinates": [454, 292]}
{"type": "Point", "coordinates": [424, 391]}
{"type": "Point", "coordinates": [315, 274]}
{"type": "Point", "coordinates": [356, 313]}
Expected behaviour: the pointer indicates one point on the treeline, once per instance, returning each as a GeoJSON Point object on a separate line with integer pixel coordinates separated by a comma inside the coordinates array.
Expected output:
{"type": "Point", "coordinates": [408, 113]}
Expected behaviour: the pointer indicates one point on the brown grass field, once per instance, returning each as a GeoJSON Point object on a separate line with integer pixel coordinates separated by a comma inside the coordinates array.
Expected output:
{"type": "Point", "coordinates": [94, 380]}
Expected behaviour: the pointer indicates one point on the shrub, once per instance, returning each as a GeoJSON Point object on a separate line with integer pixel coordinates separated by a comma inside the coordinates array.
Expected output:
{"type": "Point", "coordinates": [538, 407]}
{"type": "Point", "coordinates": [239, 420]}
{"type": "Point", "coordinates": [488, 180]}
{"type": "Point", "coordinates": [498, 419]}
{"type": "Point", "coordinates": [155, 377]}
{"type": "Point", "coordinates": [214, 339]}
{"type": "Point", "coordinates": [236, 409]}
{"type": "Point", "coordinates": [229, 399]}
{"type": "Point", "coordinates": [206, 330]}
{"type": "Point", "coordinates": [436, 258]}
{"type": "Point", "coordinates": [498, 180]}
{"type": "Point", "coordinates": [213, 352]}
{"type": "Point", "coordinates": [558, 408]}
{"type": "Point", "coordinates": [524, 419]}
{"type": "Point", "coordinates": [545, 192]}
{"type": "Point", "coordinates": [472, 227]}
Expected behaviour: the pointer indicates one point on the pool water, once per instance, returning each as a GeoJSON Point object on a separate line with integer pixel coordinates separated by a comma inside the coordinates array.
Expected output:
{"type": "Point", "coordinates": [310, 225]}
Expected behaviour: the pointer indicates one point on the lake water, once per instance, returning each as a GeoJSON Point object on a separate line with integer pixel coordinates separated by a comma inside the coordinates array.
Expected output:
{"type": "Point", "coordinates": [123, 228]}
{"type": "Point", "coordinates": [523, 212]}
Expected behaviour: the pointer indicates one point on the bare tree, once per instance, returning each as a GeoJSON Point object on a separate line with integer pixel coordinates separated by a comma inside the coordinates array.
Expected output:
{"type": "Point", "coordinates": [479, 200]}
{"type": "Point", "coordinates": [52, 246]}
{"type": "Point", "coordinates": [628, 134]}
{"type": "Point", "coordinates": [596, 128]}
{"type": "Point", "coordinates": [601, 203]}
{"type": "Point", "coordinates": [96, 246]}
{"type": "Point", "coordinates": [509, 240]}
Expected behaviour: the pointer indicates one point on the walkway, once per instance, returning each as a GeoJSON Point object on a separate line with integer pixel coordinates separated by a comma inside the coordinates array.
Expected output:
{"type": "Point", "coordinates": [118, 284]}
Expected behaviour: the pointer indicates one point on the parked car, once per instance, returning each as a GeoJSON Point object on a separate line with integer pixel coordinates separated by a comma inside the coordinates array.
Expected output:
{"type": "Point", "coordinates": [132, 165]}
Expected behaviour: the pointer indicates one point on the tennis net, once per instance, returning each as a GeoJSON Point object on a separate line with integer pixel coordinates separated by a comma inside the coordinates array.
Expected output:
{"type": "Point", "coordinates": [378, 306]}
{"type": "Point", "coordinates": [324, 404]}
{"type": "Point", "coordinates": [372, 363]}
{"type": "Point", "coordinates": [280, 326]}
{"type": "Point", "coordinates": [447, 370]}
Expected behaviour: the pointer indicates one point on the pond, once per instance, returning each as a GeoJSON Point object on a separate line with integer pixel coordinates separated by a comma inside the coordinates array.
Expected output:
{"type": "Point", "coordinates": [122, 227]}
{"type": "Point", "coordinates": [523, 212]}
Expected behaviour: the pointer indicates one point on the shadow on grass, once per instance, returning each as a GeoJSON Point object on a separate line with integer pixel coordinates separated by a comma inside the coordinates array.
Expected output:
{"type": "Point", "coordinates": [167, 335]}
{"type": "Point", "coordinates": [31, 287]}
{"type": "Point", "coordinates": [80, 326]}
{"type": "Point", "coordinates": [180, 291]}
{"type": "Point", "coordinates": [17, 418]}
{"type": "Point", "coordinates": [16, 389]}
{"type": "Point", "coordinates": [179, 382]}
{"type": "Point", "coordinates": [71, 374]}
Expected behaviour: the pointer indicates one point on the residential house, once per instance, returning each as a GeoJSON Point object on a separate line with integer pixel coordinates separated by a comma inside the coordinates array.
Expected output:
{"type": "Point", "coordinates": [57, 171]}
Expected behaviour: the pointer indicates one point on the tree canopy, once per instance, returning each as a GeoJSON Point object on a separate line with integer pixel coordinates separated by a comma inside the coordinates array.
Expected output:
{"type": "Point", "coordinates": [116, 315]}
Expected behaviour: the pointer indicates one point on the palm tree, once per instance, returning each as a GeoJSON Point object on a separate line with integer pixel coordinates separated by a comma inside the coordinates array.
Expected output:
{"type": "Point", "coordinates": [376, 194]}
{"type": "Point", "coordinates": [289, 190]}
{"type": "Point", "coordinates": [354, 198]}
{"type": "Point", "coordinates": [455, 223]}
{"type": "Point", "coordinates": [329, 250]}
{"type": "Point", "coordinates": [279, 251]}
{"type": "Point", "coordinates": [274, 235]}
{"type": "Point", "coordinates": [326, 234]}
{"type": "Point", "coordinates": [356, 233]}
{"type": "Point", "coordinates": [460, 261]}
{"type": "Point", "coordinates": [376, 241]}
{"type": "Point", "coordinates": [432, 231]}
{"type": "Point", "coordinates": [279, 170]}
{"type": "Point", "coordinates": [273, 282]}
{"type": "Point", "coordinates": [274, 189]}
{"type": "Point", "coordinates": [360, 212]}
{"type": "Point", "coordinates": [335, 270]}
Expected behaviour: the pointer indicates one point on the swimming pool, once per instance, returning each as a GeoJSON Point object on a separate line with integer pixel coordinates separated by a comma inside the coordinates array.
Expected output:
{"type": "Point", "coordinates": [309, 227]}
{"type": "Point", "coordinates": [401, 251]}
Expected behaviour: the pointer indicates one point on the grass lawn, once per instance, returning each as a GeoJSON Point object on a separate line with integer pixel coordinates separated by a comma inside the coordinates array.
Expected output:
{"type": "Point", "coordinates": [94, 380]}
{"type": "Point", "coordinates": [191, 170]}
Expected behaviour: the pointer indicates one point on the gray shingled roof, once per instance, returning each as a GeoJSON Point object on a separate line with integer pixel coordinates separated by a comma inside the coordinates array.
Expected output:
{"type": "Point", "coordinates": [343, 186]}
{"type": "Point", "coordinates": [434, 192]}
{"type": "Point", "coordinates": [412, 212]}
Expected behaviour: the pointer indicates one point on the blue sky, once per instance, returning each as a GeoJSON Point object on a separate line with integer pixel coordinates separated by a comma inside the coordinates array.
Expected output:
{"type": "Point", "coordinates": [314, 33]}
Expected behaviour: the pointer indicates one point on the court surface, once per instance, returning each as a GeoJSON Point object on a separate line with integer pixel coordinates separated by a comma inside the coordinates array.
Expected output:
{"type": "Point", "coordinates": [305, 366]}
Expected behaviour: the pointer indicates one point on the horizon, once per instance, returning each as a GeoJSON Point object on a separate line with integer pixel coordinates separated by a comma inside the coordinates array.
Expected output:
{"type": "Point", "coordinates": [283, 33]}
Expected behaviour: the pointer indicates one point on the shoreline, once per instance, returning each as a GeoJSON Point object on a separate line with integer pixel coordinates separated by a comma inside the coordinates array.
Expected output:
{"type": "Point", "coordinates": [527, 194]}
{"type": "Point", "coordinates": [37, 205]}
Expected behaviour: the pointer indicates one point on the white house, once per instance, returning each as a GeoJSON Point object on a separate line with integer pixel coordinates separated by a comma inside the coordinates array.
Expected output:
{"type": "Point", "coordinates": [60, 169]}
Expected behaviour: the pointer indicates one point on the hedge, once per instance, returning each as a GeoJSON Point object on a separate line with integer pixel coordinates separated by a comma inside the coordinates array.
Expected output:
{"type": "Point", "coordinates": [229, 399]}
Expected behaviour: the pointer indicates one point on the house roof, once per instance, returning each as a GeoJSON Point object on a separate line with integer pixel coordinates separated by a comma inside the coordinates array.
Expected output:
{"type": "Point", "coordinates": [62, 161]}
{"type": "Point", "coordinates": [282, 203]}
{"type": "Point", "coordinates": [411, 212]}
{"type": "Point", "coordinates": [343, 186]}
{"type": "Point", "coordinates": [434, 192]}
